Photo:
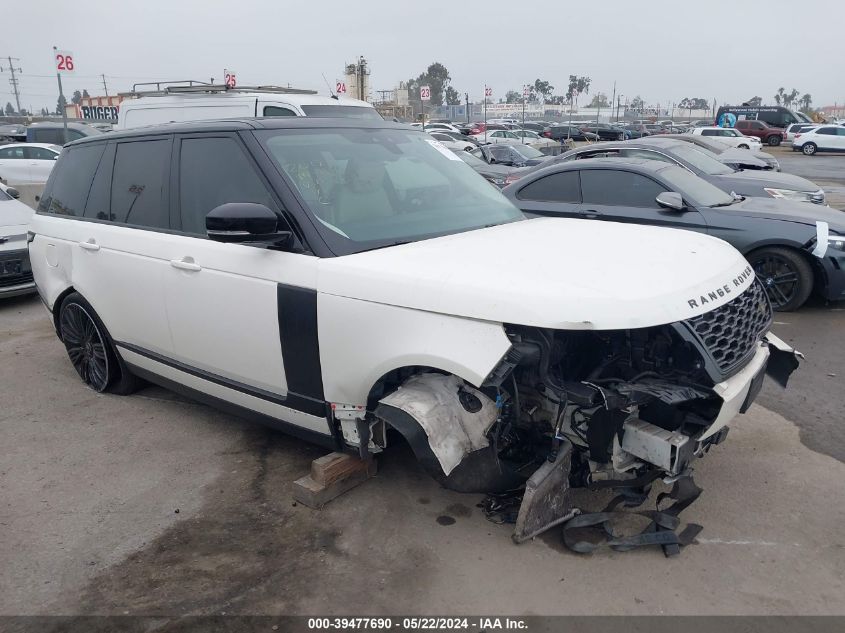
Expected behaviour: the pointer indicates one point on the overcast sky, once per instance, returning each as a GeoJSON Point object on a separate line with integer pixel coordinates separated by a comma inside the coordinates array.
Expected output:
{"type": "Point", "coordinates": [663, 51]}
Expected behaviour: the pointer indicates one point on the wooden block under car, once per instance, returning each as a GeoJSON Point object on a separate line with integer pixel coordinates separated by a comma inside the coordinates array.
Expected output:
{"type": "Point", "coordinates": [331, 476]}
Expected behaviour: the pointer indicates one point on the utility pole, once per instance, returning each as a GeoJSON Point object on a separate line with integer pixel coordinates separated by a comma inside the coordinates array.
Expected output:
{"type": "Point", "coordinates": [466, 98]}
{"type": "Point", "coordinates": [613, 100]}
{"type": "Point", "coordinates": [14, 80]}
{"type": "Point", "coordinates": [105, 87]}
{"type": "Point", "coordinates": [62, 100]}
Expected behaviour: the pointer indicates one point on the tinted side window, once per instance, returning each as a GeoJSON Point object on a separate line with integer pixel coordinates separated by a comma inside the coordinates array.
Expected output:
{"type": "Point", "coordinates": [278, 111]}
{"type": "Point", "coordinates": [214, 171]}
{"type": "Point", "coordinates": [709, 132]}
{"type": "Point", "coordinates": [560, 187]}
{"type": "Point", "coordinates": [68, 186]}
{"type": "Point", "coordinates": [617, 188]}
{"type": "Point", "coordinates": [9, 153]}
{"type": "Point", "coordinates": [40, 153]}
{"type": "Point", "coordinates": [137, 191]}
{"type": "Point", "coordinates": [827, 130]}
{"type": "Point", "coordinates": [56, 136]}
{"type": "Point", "coordinates": [99, 196]}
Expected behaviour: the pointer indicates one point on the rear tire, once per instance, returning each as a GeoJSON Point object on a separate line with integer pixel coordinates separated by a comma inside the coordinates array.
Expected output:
{"type": "Point", "coordinates": [774, 141]}
{"type": "Point", "coordinates": [91, 350]}
{"type": "Point", "coordinates": [785, 274]}
{"type": "Point", "coordinates": [809, 149]}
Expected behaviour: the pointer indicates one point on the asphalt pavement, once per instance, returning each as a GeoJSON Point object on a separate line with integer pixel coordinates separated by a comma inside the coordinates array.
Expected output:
{"type": "Point", "coordinates": [151, 504]}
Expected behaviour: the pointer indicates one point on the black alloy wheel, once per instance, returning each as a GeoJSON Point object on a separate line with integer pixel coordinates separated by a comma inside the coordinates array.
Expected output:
{"type": "Point", "coordinates": [786, 276]}
{"type": "Point", "coordinates": [86, 346]}
{"type": "Point", "coordinates": [774, 141]}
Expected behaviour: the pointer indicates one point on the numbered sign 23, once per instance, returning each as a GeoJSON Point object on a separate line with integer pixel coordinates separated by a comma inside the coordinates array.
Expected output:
{"type": "Point", "coordinates": [64, 61]}
{"type": "Point", "coordinates": [230, 78]}
{"type": "Point", "coordinates": [425, 93]}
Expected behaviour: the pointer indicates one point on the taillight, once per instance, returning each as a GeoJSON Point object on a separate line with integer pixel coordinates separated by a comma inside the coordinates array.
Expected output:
{"type": "Point", "coordinates": [547, 133]}
{"type": "Point", "coordinates": [797, 136]}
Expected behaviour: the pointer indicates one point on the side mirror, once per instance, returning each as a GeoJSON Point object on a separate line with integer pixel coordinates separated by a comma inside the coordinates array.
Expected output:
{"type": "Point", "coordinates": [13, 192]}
{"type": "Point", "coordinates": [671, 200]}
{"type": "Point", "coordinates": [245, 222]}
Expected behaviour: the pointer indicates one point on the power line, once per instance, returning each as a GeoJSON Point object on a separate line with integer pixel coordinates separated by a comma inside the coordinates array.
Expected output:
{"type": "Point", "coordinates": [14, 80]}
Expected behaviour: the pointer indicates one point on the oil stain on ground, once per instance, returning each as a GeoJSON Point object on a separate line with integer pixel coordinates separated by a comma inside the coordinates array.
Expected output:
{"type": "Point", "coordinates": [251, 550]}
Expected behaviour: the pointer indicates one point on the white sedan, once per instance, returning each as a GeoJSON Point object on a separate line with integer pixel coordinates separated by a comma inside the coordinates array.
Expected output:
{"type": "Point", "coordinates": [498, 137]}
{"type": "Point", "coordinates": [731, 136]}
{"type": "Point", "coordinates": [452, 143]}
{"type": "Point", "coordinates": [15, 271]}
{"type": "Point", "coordinates": [27, 163]}
{"type": "Point", "coordinates": [430, 127]}
{"type": "Point", "coordinates": [529, 137]}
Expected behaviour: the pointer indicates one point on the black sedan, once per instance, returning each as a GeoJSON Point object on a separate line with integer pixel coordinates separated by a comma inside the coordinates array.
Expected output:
{"type": "Point", "coordinates": [793, 247]}
{"type": "Point", "coordinates": [511, 155]}
{"type": "Point", "coordinates": [605, 131]}
{"type": "Point", "coordinates": [560, 132]}
{"type": "Point", "coordinates": [706, 165]}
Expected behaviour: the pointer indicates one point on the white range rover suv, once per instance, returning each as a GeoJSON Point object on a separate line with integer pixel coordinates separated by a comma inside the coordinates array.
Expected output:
{"type": "Point", "coordinates": [350, 280]}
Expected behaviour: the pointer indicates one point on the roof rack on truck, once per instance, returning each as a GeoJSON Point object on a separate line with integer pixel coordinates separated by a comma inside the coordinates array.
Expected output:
{"type": "Point", "coordinates": [192, 86]}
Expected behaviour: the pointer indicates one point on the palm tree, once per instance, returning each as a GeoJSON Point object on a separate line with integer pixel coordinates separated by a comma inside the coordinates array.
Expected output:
{"type": "Point", "coordinates": [805, 101]}
{"type": "Point", "coordinates": [780, 96]}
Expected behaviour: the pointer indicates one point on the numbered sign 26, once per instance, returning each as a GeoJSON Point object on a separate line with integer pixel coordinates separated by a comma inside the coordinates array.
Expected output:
{"type": "Point", "coordinates": [64, 61]}
{"type": "Point", "coordinates": [425, 93]}
{"type": "Point", "coordinates": [340, 88]}
{"type": "Point", "coordinates": [230, 79]}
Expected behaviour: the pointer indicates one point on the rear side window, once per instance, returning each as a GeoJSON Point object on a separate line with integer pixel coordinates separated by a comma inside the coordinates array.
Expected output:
{"type": "Point", "coordinates": [137, 190]}
{"type": "Point", "coordinates": [831, 131]}
{"type": "Point", "coordinates": [68, 186]}
{"type": "Point", "coordinates": [278, 111]}
{"type": "Point", "coordinates": [560, 187]}
{"type": "Point", "coordinates": [214, 171]}
{"type": "Point", "coordinates": [11, 153]}
{"type": "Point", "coordinates": [40, 153]}
{"type": "Point", "coordinates": [618, 188]}
{"type": "Point", "coordinates": [709, 132]}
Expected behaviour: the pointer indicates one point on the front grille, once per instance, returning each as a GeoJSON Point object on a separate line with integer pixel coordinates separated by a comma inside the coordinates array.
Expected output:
{"type": "Point", "coordinates": [15, 280]}
{"type": "Point", "coordinates": [729, 334]}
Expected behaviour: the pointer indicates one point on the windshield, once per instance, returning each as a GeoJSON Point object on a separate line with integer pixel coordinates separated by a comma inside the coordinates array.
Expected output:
{"type": "Point", "coordinates": [694, 189]}
{"type": "Point", "coordinates": [800, 116]}
{"type": "Point", "coordinates": [368, 188]}
{"type": "Point", "coordinates": [342, 112]}
{"type": "Point", "coordinates": [470, 159]}
{"type": "Point", "coordinates": [527, 151]}
{"type": "Point", "coordinates": [701, 159]}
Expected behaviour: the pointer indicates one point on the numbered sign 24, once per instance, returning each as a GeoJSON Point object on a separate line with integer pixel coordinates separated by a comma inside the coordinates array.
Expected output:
{"type": "Point", "coordinates": [425, 93]}
{"type": "Point", "coordinates": [230, 78]}
{"type": "Point", "coordinates": [64, 61]}
{"type": "Point", "coordinates": [488, 92]}
{"type": "Point", "coordinates": [340, 88]}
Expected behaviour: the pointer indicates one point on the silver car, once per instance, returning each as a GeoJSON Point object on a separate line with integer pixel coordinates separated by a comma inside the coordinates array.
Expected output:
{"type": "Point", "coordinates": [15, 271]}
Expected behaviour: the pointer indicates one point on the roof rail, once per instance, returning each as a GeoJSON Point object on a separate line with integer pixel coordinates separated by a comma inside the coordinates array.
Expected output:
{"type": "Point", "coordinates": [191, 86]}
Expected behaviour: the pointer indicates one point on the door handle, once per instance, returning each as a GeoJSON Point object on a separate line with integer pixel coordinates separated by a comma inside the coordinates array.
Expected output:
{"type": "Point", "coordinates": [90, 245]}
{"type": "Point", "coordinates": [186, 263]}
{"type": "Point", "coordinates": [592, 214]}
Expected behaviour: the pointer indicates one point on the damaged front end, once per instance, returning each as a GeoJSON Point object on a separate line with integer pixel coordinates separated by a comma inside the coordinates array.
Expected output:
{"type": "Point", "coordinates": [601, 409]}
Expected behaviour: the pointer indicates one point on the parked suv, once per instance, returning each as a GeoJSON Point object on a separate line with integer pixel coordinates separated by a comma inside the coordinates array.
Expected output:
{"type": "Point", "coordinates": [339, 278]}
{"type": "Point", "coordinates": [765, 132]}
{"type": "Point", "coordinates": [55, 134]}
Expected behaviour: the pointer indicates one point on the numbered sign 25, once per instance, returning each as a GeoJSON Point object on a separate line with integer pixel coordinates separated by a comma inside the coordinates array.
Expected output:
{"type": "Point", "coordinates": [425, 93]}
{"type": "Point", "coordinates": [64, 61]}
{"type": "Point", "coordinates": [230, 78]}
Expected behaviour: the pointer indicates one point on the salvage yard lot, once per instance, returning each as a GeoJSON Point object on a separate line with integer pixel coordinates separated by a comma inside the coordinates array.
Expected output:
{"type": "Point", "coordinates": [151, 504]}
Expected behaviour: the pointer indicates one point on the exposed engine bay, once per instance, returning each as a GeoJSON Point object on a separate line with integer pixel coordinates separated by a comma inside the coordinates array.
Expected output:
{"type": "Point", "coordinates": [631, 405]}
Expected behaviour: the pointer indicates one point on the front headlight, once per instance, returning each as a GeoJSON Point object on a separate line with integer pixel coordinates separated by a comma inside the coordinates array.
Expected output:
{"type": "Point", "coordinates": [773, 163]}
{"type": "Point", "coordinates": [799, 196]}
{"type": "Point", "coordinates": [836, 242]}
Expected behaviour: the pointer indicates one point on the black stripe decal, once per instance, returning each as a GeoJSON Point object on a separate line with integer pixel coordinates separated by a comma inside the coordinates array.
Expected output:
{"type": "Point", "coordinates": [300, 343]}
{"type": "Point", "coordinates": [305, 404]}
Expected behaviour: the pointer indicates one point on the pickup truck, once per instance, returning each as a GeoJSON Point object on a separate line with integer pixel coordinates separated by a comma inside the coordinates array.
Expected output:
{"type": "Point", "coordinates": [766, 133]}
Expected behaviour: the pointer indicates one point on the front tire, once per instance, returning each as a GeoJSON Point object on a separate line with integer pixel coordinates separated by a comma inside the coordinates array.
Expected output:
{"type": "Point", "coordinates": [90, 349]}
{"type": "Point", "coordinates": [774, 141]}
{"type": "Point", "coordinates": [785, 274]}
{"type": "Point", "coordinates": [809, 149]}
